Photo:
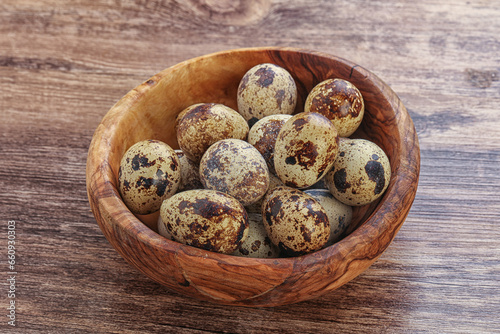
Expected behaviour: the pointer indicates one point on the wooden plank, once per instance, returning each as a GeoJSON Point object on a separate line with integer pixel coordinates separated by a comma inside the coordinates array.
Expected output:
{"type": "Point", "coordinates": [64, 64]}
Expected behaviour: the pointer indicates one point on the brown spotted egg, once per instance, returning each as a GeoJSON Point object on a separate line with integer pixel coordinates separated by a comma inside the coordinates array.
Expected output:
{"type": "Point", "coordinates": [149, 173]}
{"type": "Point", "coordinates": [206, 219]}
{"type": "Point", "coordinates": [190, 173]}
{"type": "Point", "coordinates": [235, 167]}
{"type": "Point", "coordinates": [295, 221]}
{"type": "Point", "coordinates": [305, 149]}
{"type": "Point", "coordinates": [274, 182]}
{"type": "Point", "coordinates": [266, 89]}
{"type": "Point", "coordinates": [184, 112]}
{"type": "Point", "coordinates": [340, 101]}
{"type": "Point", "coordinates": [206, 123]}
{"type": "Point", "coordinates": [257, 244]}
{"type": "Point", "coordinates": [162, 229]}
{"type": "Point", "coordinates": [339, 214]}
{"type": "Point", "coordinates": [360, 174]}
{"type": "Point", "coordinates": [263, 135]}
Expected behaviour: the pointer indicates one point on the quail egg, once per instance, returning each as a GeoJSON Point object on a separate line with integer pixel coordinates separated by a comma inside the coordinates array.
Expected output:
{"type": "Point", "coordinates": [206, 219]}
{"type": "Point", "coordinates": [360, 174]}
{"type": "Point", "coordinates": [305, 149]}
{"type": "Point", "coordinates": [340, 101]}
{"type": "Point", "coordinates": [204, 124]}
{"type": "Point", "coordinates": [263, 134]}
{"type": "Point", "coordinates": [295, 221]}
{"type": "Point", "coordinates": [264, 90]}
{"type": "Point", "coordinates": [149, 173]}
{"type": "Point", "coordinates": [257, 244]}
{"type": "Point", "coordinates": [162, 229]}
{"type": "Point", "coordinates": [339, 214]}
{"type": "Point", "coordinates": [190, 175]}
{"type": "Point", "coordinates": [274, 182]}
{"type": "Point", "coordinates": [235, 167]}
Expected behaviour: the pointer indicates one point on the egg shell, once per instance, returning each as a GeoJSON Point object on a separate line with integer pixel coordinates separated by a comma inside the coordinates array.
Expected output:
{"type": "Point", "coordinates": [206, 123]}
{"type": "Point", "coordinates": [264, 90]}
{"type": "Point", "coordinates": [162, 229]}
{"type": "Point", "coordinates": [257, 244]}
{"type": "Point", "coordinates": [274, 182]}
{"type": "Point", "coordinates": [235, 167]}
{"type": "Point", "coordinates": [263, 135]}
{"type": "Point", "coordinates": [340, 101]}
{"type": "Point", "coordinates": [149, 173]}
{"type": "Point", "coordinates": [190, 173]}
{"type": "Point", "coordinates": [206, 219]}
{"type": "Point", "coordinates": [361, 172]}
{"type": "Point", "coordinates": [184, 112]}
{"type": "Point", "coordinates": [295, 221]}
{"type": "Point", "coordinates": [305, 149]}
{"type": "Point", "coordinates": [339, 214]}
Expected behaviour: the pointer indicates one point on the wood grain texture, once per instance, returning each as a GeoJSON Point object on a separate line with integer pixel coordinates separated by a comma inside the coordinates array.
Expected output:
{"type": "Point", "coordinates": [64, 64]}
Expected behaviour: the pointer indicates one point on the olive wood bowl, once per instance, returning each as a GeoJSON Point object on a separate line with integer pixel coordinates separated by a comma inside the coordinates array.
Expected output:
{"type": "Point", "coordinates": [149, 112]}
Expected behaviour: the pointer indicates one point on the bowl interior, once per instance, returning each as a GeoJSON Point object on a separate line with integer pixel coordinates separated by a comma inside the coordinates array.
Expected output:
{"type": "Point", "coordinates": [215, 79]}
{"type": "Point", "coordinates": [149, 112]}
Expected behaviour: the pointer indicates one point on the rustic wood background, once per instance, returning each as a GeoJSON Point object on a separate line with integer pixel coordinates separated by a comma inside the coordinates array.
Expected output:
{"type": "Point", "coordinates": [63, 64]}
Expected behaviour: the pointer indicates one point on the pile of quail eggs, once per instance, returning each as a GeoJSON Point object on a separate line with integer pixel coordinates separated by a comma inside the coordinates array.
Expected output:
{"type": "Point", "coordinates": [262, 181]}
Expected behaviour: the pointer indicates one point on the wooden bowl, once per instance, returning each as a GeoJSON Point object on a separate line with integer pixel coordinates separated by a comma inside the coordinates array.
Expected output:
{"type": "Point", "coordinates": [149, 112]}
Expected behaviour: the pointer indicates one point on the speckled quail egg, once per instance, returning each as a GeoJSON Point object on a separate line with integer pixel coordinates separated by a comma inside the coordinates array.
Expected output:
{"type": "Point", "coordinates": [340, 101]}
{"type": "Point", "coordinates": [339, 214]}
{"type": "Point", "coordinates": [162, 229]}
{"type": "Point", "coordinates": [264, 90]}
{"type": "Point", "coordinates": [204, 124]}
{"type": "Point", "coordinates": [305, 149]}
{"type": "Point", "coordinates": [184, 112]}
{"type": "Point", "coordinates": [274, 182]}
{"type": "Point", "coordinates": [361, 172]}
{"type": "Point", "coordinates": [235, 167]}
{"type": "Point", "coordinates": [206, 219]}
{"type": "Point", "coordinates": [149, 173]}
{"type": "Point", "coordinates": [190, 173]}
{"type": "Point", "coordinates": [257, 244]}
{"type": "Point", "coordinates": [295, 221]}
{"type": "Point", "coordinates": [263, 135]}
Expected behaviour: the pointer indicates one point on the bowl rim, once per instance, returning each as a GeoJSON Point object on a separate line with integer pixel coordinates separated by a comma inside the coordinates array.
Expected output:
{"type": "Point", "coordinates": [104, 197]}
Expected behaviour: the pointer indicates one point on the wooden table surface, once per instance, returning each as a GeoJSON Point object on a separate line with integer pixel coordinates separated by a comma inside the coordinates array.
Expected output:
{"type": "Point", "coordinates": [63, 64]}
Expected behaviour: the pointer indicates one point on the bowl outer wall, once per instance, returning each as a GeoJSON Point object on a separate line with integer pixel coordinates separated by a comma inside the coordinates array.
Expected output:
{"type": "Point", "coordinates": [245, 281]}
